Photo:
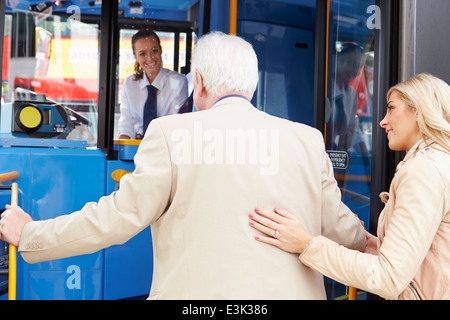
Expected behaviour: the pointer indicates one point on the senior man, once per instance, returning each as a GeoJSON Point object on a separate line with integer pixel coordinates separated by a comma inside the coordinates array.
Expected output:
{"type": "Point", "coordinates": [197, 178]}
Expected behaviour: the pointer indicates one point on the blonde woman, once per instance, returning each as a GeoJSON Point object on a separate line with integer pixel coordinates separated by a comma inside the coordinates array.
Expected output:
{"type": "Point", "coordinates": [410, 258]}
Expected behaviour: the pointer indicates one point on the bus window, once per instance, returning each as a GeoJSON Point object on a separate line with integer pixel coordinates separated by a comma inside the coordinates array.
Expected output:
{"type": "Point", "coordinates": [348, 115]}
{"type": "Point", "coordinates": [6, 55]}
{"type": "Point", "coordinates": [51, 54]}
{"type": "Point", "coordinates": [176, 43]}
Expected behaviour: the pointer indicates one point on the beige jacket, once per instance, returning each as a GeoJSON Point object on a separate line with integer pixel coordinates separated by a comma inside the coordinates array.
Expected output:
{"type": "Point", "coordinates": [198, 176]}
{"type": "Point", "coordinates": [413, 260]}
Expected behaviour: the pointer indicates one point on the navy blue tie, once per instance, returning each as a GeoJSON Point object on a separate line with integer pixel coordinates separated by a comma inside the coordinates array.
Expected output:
{"type": "Point", "coordinates": [341, 123]}
{"type": "Point", "coordinates": [340, 119]}
{"type": "Point", "coordinates": [149, 107]}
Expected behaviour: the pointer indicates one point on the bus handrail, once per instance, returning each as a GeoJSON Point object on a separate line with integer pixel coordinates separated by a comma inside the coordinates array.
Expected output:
{"type": "Point", "coordinates": [9, 176]}
{"type": "Point", "coordinates": [12, 265]}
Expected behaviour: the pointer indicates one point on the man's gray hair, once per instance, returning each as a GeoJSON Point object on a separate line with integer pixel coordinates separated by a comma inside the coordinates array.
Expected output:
{"type": "Point", "coordinates": [227, 63]}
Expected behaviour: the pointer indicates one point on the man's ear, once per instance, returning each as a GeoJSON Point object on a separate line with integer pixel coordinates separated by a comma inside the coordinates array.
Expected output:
{"type": "Point", "coordinates": [201, 91]}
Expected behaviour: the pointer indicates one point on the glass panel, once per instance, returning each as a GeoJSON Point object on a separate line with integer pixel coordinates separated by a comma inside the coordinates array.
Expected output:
{"type": "Point", "coordinates": [182, 53]}
{"type": "Point", "coordinates": [349, 112]}
{"type": "Point", "coordinates": [51, 55]}
{"type": "Point", "coordinates": [6, 56]}
{"type": "Point", "coordinates": [282, 35]}
{"type": "Point", "coordinates": [168, 49]}
{"type": "Point", "coordinates": [127, 64]}
{"type": "Point", "coordinates": [171, 20]}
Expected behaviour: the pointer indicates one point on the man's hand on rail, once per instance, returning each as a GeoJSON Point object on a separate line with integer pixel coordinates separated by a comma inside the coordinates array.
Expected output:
{"type": "Point", "coordinates": [12, 223]}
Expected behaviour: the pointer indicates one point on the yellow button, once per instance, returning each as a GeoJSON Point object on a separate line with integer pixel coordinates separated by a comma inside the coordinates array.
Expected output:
{"type": "Point", "coordinates": [30, 117]}
{"type": "Point", "coordinates": [118, 174]}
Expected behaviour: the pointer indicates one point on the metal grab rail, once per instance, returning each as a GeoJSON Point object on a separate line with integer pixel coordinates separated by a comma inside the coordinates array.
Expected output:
{"type": "Point", "coordinates": [12, 265]}
{"type": "Point", "coordinates": [9, 176]}
{"type": "Point", "coordinates": [352, 293]}
{"type": "Point", "coordinates": [233, 17]}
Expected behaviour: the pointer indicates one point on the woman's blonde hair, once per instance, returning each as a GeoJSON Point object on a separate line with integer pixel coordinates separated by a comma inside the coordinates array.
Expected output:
{"type": "Point", "coordinates": [430, 96]}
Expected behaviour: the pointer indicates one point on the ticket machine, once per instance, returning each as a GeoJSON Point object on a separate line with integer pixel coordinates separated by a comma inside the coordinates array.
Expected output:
{"type": "Point", "coordinates": [59, 176]}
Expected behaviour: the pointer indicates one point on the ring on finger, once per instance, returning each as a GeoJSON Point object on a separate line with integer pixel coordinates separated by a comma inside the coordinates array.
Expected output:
{"type": "Point", "coordinates": [276, 234]}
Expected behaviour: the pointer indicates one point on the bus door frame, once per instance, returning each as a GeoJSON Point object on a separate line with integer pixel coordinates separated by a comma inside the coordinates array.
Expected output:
{"type": "Point", "coordinates": [386, 75]}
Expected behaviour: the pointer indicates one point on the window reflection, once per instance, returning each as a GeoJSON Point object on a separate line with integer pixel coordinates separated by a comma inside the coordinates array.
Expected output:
{"type": "Point", "coordinates": [349, 112]}
{"type": "Point", "coordinates": [171, 43]}
{"type": "Point", "coordinates": [53, 58]}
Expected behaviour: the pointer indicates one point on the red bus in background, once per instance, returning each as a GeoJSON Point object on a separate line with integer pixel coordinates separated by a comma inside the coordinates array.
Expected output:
{"type": "Point", "coordinates": [66, 67]}
{"type": "Point", "coordinates": [5, 64]}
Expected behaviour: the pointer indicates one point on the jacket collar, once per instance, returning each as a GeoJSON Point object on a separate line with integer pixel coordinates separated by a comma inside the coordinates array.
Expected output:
{"type": "Point", "coordinates": [420, 145]}
{"type": "Point", "coordinates": [233, 100]}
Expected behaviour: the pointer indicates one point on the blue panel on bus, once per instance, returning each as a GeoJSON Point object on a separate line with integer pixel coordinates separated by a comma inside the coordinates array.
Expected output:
{"type": "Point", "coordinates": [15, 159]}
{"type": "Point", "coordinates": [293, 13]}
{"type": "Point", "coordinates": [54, 182]}
{"type": "Point", "coordinates": [286, 69]}
{"type": "Point", "coordinates": [63, 181]}
{"type": "Point", "coordinates": [74, 284]}
{"type": "Point", "coordinates": [128, 267]}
